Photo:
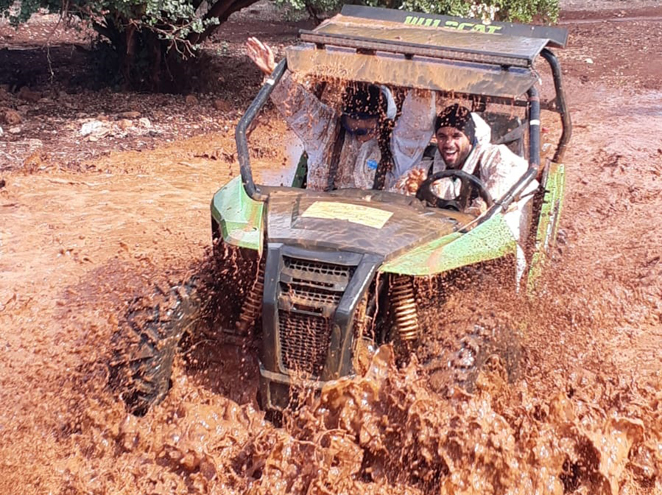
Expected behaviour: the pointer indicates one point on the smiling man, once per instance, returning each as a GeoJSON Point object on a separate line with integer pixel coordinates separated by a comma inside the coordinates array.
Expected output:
{"type": "Point", "coordinates": [456, 135]}
{"type": "Point", "coordinates": [464, 143]}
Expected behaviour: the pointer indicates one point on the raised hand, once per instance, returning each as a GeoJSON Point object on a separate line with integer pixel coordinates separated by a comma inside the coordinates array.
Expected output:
{"type": "Point", "coordinates": [261, 54]}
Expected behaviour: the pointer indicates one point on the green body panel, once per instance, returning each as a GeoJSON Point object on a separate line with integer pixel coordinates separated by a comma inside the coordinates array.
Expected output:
{"type": "Point", "coordinates": [548, 223]}
{"type": "Point", "coordinates": [240, 217]}
{"type": "Point", "coordinates": [490, 240]}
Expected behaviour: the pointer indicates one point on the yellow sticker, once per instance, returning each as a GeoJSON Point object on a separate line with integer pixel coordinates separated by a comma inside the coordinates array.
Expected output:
{"type": "Point", "coordinates": [363, 215]}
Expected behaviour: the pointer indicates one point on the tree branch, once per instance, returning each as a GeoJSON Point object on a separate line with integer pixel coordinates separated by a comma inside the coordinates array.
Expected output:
{"type": "Point", "coordinates": [222, 10]}
{"type": "Point", "coordinates": [107, 32]}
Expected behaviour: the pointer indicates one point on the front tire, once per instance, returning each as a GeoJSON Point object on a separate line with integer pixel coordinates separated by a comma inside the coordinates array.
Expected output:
{"type": "Point", "coordinates": [147, 342]}
{"type": "Point", "coordinates": [459, 356]}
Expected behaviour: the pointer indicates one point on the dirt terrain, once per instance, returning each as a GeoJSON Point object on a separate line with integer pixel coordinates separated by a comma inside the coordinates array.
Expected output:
{"type": "Point", "coordinates": [89, 222]}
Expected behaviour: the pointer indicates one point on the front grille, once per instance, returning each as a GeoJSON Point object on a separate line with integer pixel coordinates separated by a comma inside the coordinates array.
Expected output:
{"type": "Point", "coordinates": [304, 341]}
{"type": "Point", "coordinates": [310, 292]}
{"type": "Point", "coordinates": [316, 267]}
{"type": "Point", "coordinates": [309, 297]}
{"type": "Point", "coordinates": [312, 286]}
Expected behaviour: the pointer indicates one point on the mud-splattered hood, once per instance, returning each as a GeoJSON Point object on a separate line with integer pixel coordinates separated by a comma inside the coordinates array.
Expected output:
{"type": "Point", "coordinates": [372, 222]}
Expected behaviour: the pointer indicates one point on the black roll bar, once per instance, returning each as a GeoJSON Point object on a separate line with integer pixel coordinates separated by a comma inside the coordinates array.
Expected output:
{"type": "Point", "coordinates": [561, 105]}
{"type": "Point", "coordinates": [534, 153]}
{"type": "Point", "coordinates": [534, 132]}
{"type": "Point", "coordinates": [240, 132]}
{"type": "Point", "coordinates": [515, 192]}
{"type": "Point", "coordinates": [534, 128]}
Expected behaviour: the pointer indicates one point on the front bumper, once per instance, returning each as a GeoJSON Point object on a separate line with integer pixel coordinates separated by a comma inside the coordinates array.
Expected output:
{"type": "Point", "coordinates": [306, 338]}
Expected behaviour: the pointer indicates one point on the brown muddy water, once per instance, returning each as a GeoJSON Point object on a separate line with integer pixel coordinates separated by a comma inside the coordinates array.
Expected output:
{"type": "Point", "coordinates": [584, 416]}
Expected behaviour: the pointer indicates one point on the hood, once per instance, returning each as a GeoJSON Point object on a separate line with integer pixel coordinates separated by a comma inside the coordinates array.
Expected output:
{"type": "Point", "coordinates": [368, 222]}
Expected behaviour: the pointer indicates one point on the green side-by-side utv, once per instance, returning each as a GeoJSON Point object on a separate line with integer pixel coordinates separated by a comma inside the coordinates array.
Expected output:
{"type": "Point", "coordinates": [333, 275]}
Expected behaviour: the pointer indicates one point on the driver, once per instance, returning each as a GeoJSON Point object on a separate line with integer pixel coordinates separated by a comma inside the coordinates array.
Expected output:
{"type": "Point", "coordinates": [346, 149]}
{"type": "Point", "coordinates": [463, 143]}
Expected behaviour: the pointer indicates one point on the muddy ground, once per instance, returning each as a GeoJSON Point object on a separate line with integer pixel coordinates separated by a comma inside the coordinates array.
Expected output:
{"type": "Point", "coordinates": [89, 222]}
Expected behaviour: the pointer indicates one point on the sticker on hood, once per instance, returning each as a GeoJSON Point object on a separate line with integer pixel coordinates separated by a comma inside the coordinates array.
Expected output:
{"type": "Point", "coordinates": [362, 215]}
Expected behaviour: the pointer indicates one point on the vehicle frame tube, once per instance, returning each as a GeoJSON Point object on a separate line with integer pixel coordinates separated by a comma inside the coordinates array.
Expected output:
{"type": "Point", "coordinates": [514, 193]}
{"type": "Point", "coordinates": [241, 131]}
{"type": "Point", "coordinates": [561, 105]}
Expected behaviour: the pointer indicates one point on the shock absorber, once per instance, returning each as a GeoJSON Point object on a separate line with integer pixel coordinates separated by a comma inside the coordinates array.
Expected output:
{"type": "Point", "coordinates": [252, 304]}
{"type": "Point", "coordinates": [404, 308]}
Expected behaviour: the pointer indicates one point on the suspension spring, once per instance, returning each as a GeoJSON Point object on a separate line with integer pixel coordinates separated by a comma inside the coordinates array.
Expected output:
{"type": "Point", "coordinates": [253, 304]}
{"type": "Point", "coordinates": [404, 309]}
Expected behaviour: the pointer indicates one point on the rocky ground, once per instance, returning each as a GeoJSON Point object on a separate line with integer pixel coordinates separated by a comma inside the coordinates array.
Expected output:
{"type": "Point", "coordinates": [105, 192]}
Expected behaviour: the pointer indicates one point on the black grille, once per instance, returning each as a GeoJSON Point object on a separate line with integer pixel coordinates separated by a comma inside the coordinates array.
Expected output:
{"type": "Point", "coordinates": [312, 286]}
{"type": "Point", "coordinates": [315, 267]}
{"type": "Point", "coordinates": [310, 292]}
{"type": "Point", "coordinates": [309, 297]}
{"type": "Point", "coordinates": [304, 341]}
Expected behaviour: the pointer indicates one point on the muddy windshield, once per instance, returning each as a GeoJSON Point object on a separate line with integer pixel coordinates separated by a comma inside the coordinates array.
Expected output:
{"type": "Point", "coordinates": [339, 134]}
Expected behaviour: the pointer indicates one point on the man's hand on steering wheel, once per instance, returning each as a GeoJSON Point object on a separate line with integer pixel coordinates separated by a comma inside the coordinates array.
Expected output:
{"type": "Point", "coordinates": [426, 191]}
{"type": "Point", "coordinates": [413, 180]}
{"type": "Point", "coordinates": [477, 208]}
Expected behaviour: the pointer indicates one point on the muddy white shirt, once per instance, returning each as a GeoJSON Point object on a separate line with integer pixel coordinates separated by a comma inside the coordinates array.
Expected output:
{"type": "Point", "coordinates": [496, 165]}
{"type": "Point", "coordinates": [318, 126]}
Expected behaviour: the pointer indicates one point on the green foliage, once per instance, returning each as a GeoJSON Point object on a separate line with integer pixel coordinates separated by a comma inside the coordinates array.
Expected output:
{"type": "Point", "coordinates": [20, 11]}
{"type": "Point", "coordinates": [445, 7]}
{"type": "Point", "coordinates": [148, 36]}
{"type": "Point", "coordinates": [174, 21]}
{"type": "Point", "coordinates": [529, 10]}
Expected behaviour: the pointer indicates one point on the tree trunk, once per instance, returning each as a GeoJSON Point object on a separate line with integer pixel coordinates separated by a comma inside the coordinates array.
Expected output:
{"type": "Point", "coordinates": [222, 9]}
{"type": "Point", "coordinates": [147, 62]}
{"type": "Point", "coordinates": [314, 13]}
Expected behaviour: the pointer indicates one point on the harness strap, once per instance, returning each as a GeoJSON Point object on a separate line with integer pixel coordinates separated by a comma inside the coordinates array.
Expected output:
{"type": "Point", "coordinates": [384, 167]}
{"type": "Point", "coordinates": [335, 159]}
{"type": "Point", "coordinates": [429, 152]}
{"type": "Point", "coordinates": [386, 160]}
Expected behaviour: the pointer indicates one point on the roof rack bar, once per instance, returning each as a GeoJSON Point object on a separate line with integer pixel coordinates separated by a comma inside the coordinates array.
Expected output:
{"type": "Point", "coordinates": [498, 100]}
{"type": "Point", "coordinates": [558, 37]}
{"type": "Point", "coordinates": [409, 49]}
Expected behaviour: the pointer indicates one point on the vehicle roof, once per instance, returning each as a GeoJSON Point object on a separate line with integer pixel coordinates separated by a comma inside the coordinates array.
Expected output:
{"type": "Point", "coordinates": [411, 50]}
{"type": "Point", "coordinates": [557, 37]}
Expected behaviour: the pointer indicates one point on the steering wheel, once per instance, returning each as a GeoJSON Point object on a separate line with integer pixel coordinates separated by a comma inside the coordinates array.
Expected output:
{"type": "Point", "coordinates": [425, 192]}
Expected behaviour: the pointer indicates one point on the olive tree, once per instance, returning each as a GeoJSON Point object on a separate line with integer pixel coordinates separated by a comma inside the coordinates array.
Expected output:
{"type": "Point", "coordinates": [145, 34]}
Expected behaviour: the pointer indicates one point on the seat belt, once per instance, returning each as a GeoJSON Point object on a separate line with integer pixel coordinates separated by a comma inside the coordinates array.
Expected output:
{"type": "Point", "coordinates": [386, 160]}
{"type": "Point", "coordinates": [335, 159]}
{"type": "Point", "coordinates": [465, 198]}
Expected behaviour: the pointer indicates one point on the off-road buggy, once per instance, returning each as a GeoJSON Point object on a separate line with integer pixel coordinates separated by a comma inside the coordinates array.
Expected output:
{"type": "Point", "coordinates": [328, 276]}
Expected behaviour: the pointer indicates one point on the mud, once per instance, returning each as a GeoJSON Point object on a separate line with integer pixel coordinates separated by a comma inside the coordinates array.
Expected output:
{"type": "Point", "coordinates": [585, 415]}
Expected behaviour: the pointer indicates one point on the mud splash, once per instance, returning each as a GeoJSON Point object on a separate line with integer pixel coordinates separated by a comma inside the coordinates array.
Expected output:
{"type": "Point", "coordinates": [384, 432]}
{"type": "Point", "coordinates": [576, 421]}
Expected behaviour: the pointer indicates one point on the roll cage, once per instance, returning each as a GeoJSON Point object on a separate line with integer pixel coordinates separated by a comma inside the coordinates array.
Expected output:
{"type": "Point", "coordinates": [449, 55]}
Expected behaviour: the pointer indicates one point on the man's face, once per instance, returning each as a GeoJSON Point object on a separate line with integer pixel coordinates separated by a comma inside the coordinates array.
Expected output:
{"type": "Point", "coordinates": [453, 145]}
{"type": "Point", "coordinates": [364, 129]}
